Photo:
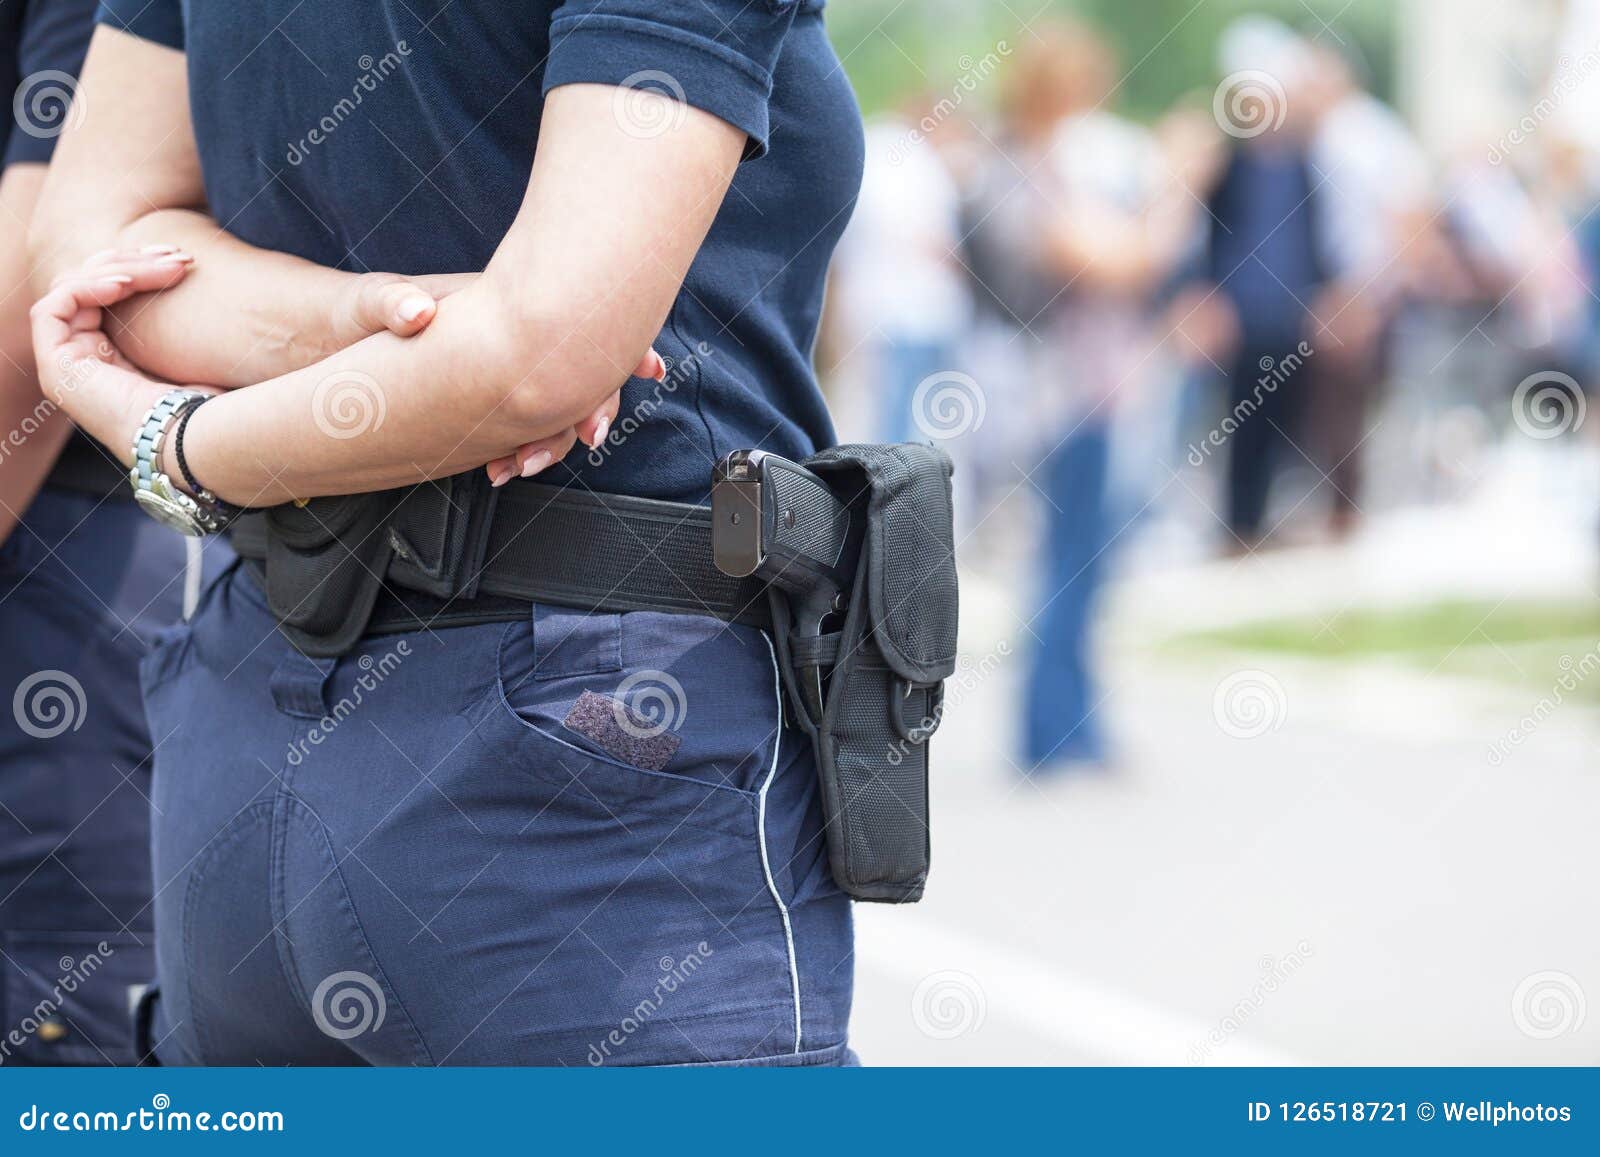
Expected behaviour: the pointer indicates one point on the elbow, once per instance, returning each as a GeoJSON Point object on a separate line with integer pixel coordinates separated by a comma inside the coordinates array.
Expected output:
{"type": "Point", "coordinates": [557, 365]}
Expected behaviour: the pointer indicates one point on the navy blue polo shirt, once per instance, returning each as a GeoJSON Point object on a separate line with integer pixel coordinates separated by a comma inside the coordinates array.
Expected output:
{"type": "Point", "coordinates": [42, 45]}
{"type": "Point", "coordinates": [398, 135]}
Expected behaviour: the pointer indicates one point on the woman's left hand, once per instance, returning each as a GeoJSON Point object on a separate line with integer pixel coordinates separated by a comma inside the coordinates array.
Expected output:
{"type": "Point", "coordinates": [536, 457]}
{"type": "Point", "coordinates": [80, 368]}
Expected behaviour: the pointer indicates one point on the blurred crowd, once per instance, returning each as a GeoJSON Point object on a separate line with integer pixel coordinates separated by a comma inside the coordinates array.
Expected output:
{"type": "Point", "coordinates": [1098, 312]}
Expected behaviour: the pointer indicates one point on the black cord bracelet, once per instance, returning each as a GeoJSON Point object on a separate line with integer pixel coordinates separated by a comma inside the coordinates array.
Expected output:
{"type": "Point", "coordinates": [227, 509]}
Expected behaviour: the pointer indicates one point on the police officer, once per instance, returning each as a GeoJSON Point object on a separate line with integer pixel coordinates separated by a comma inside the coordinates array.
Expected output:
{"type": "Point", "coordinates": [473, 760]}
{"type": "Point", "coordinates": [85, 583]}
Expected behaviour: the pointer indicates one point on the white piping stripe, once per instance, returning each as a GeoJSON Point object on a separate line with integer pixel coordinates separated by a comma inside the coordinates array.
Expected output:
{"type": "Point", "coordinates": [766, 864]}
{"type": "Point", "coordinates": [193, 572]}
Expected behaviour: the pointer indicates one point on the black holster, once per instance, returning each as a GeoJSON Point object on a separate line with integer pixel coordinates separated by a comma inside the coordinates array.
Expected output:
{"type": "Point", "coordinates": [885, 667]}
{"type": "Point", "coordinates": [325, 562]}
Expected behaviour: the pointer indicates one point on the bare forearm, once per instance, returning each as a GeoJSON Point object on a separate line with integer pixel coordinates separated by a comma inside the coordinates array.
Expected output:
{"type": "Point", "coordinates": [129, 177]}
{"type": "Point", "coordinates": [574, 297]}
{"type": "Point", "coordinates": [390, 411]}
{"type": "Point", "coordinates": [242, 315]}
{"type": "Point", "coordinates": [32, 430]}
{"type": "Point", "coordinates": [565, 313]}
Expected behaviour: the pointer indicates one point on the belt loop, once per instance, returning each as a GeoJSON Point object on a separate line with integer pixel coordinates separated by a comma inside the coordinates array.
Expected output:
{"type": "Point", "coordinates": [570, 642]}
{"type": "Point", "coordinates": [144, 1011]}
{"type": "Point", "coordinates": [298, 683]}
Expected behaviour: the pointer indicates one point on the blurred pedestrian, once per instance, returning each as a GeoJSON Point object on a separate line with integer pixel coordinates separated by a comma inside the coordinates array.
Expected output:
{"type": "Point", "coordinates": [1093, 226]}
{"type": "Point", "coordinates": [1372, 193]}
{"type": "Point", "coordinates": [1266, 256]}
{"type": "Point", "coordinates": [898, 283]}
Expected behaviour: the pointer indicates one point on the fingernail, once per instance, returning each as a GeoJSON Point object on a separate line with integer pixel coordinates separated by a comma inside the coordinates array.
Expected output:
{"type": "Point", "coordinates": [601, 429]}
{"type": "Point", "coordinates": [502, 476]}
{"type": "Point", "coordinates": [117, 279]}
{"type": "Point", "coordinates": [536, 463]}
{"type": "Point", "coordinates": [158, 250]}
{"type": "Point", "coordinates": [414, 307]}
{"type": "Point", "coordinates": [100, 256]}
{"type": "Point", "coordinates": [661, 369]}
{"type": "Point", "coordinates": [174, 262]}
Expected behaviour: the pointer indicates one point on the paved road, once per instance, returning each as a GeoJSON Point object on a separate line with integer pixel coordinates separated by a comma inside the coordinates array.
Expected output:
{"type": "Point", "coordinates": [1356, 884]}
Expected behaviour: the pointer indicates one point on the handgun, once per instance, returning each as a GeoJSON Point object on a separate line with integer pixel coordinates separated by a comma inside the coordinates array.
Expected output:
{"type": "Point", "coordinates": [775, 519]}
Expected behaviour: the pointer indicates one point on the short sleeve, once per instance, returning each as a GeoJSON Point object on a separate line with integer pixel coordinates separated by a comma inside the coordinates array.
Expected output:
{"type": "Point", "coordinates": [160, 21]}
{"type": "Point", "coordinates": [716, 55]}
{"type": "Point", "coordinates": [50, 43]}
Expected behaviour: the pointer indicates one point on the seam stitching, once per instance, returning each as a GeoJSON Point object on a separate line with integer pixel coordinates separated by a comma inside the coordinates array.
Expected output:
{"type": "Point", "coordinates": [766, 863]}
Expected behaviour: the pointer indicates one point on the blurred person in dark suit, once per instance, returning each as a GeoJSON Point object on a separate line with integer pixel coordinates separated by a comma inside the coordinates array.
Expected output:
{"type": "Point", "coordinates": [1266, 257]}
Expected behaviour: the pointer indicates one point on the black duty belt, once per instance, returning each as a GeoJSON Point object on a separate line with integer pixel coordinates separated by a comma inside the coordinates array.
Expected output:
{"type": "Point", "coordinates": [567, 547]}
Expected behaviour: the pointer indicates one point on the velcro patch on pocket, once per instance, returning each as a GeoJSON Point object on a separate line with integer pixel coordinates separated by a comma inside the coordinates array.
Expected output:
{"type": "Point", "coordinates": [613, 727]}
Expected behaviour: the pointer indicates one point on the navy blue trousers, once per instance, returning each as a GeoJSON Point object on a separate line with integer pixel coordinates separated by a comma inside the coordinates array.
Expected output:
{"type": "Point", "coordinates": [84, 586]}
{"type": "Point", "coordinates": [571, 839]}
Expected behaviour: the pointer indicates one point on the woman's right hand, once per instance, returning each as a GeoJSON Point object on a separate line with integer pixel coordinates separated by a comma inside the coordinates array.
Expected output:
{"type": "Point", "coordinates": [379, 302]}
